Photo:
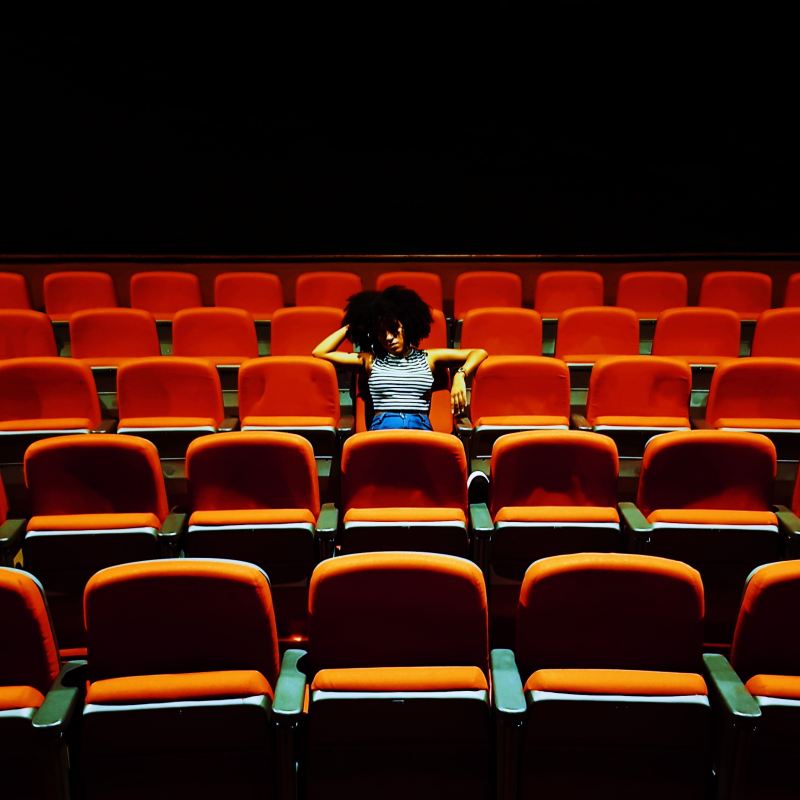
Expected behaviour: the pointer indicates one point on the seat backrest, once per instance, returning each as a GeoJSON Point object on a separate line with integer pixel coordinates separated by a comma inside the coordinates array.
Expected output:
{"type": "Point", "coordinates": [113, 333]}
{"type": "Point", "coordinates": [30, 653]}
{"type": "Point", "coordinates": [260, 293]}
{"type": "Point", "coordinates": [297, 331]}
{"type": "Point", "coordinates": [649, 292]}
{"type": "Point", "coordinates": [697, 331]}
{"type": "Point", "coordinates": [288, 386]}
{"type": "Point", "coordinates": [554, 468]}
{"type": "Point", "coordinates": [403, 468]}
{"type": "Point", "coordinates": [438, 335]}
{"type": "Point", "coordinates": [326, 288]}
{"type": "Point", "coordinates": [428, 285]}
{"type": "Point", "coordinates": [26, 333]}
{"type": "Point", "coordinates": [3, 503]}
{"type": "Point", "coordinates": [755, 388]}
{"type": "Point", "coordinates": [559, 290]}
{"type": "Point", "coordinates": [792, 296]}
{"type": "Point", "coordinates": [610, 611]}
{"type": "Point", "coordinates": [98, 474]}
{"type": "Point", "coordinates": [180, 616]}
{"type": "Point", "coordinates": [726, 470]}
{"type": "Point", "coordinates": [647, 386]}
{"type": "Point", "coordinates": [13, 291]}
{"type": "Point", "coordinates": [402, 609]}
{"type": "Point", "coordinates": [503, 331]}
{"type": "Point", "coordinates": [763, 642]}
{"type": "Point", "coordinates": [746, 293]}
{"type": "Point", "coordinates": [47, 388]}
{"type": "Point", "coordinates": [169, 387]}
{"type": "Point", "coordinates": [210, 332]}
{"type": "Point", "coordinates": [597, 329]}
{"type": "Point", "coordinates": [252, 469]}
{"type": "Point", "coordinates": [520, 385]}
{"type": "Point", "coordinates": [776, 333]}
{"type": "Point", "coordinates": [65, 292]}
{"type": "Point", "coordinates": [483, 289]}
{"type": "Point", "coordinates": [164, 293]}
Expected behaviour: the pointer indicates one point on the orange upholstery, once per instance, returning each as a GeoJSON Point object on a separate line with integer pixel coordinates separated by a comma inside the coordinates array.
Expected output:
{"type": "Point", "coordinates": [224, 335]}
{"type": "Point", "coordinates": [586, 515]}
{"type": "Point", "coordinates": [428, 285]}
{"type": "Point", "coordinates": [783, 686]}
{"type": "Point", "coordinates": [616, 681]}
{"type": "Point", "coordinates": [159, 388]}
{"type": "Point", "coordinates": [297, 331]}
{"type": "Point", "coordinates": [280, 387]}
{"type": "Point", "coordinates": [113, 333]}
{"type": "Point", "coordinates": [164, 293]}
{"type": "Point", "coordinates": [67, 424]}
{"type": "Point", "coordinates": [400, 679]}
{"type": "Point", "coordinates": [554, 468]}
{"type": "Point", "coordinates": [12, 697]}
{"type": "Point", "coordinates": [260, 293]}
{"type": "Point", "coordinates": [649, 293]}
{"type": "Point", "coordinates": [584, 334]}
{"type": "Point", "coordinates": [67, 292]}
{"type": "Point", "coordinates": [559, 290]}
{"type": "Point", "coordinates": [484, 289]}
{"type": "Point", "coordinates": [400, 514]}
{"type": "Point", "coordinates": [26, 333]}
{"type": "Point", "coordinates": [326, 288]}
{"type": "Point", "coordinates": [93, 522]}
{"type": "Point", "coordinates": [776, 333]}
{"type": "Point", "coordinates": [745, 293]}
{"type": "Point", "coordinates": [503, 331]}
{"type": "Point", "coordinates": [48, 389]}
{"type": "Point", "coordinates": [253, 517]}
{"type": "Point", "coordinates": [792, 296]}
{"type": "Point", "coordinates": [639, 387]}
{"type": "Point", "coordinates": [755, 390]}
{"type": "Point", "coordinates": [13, 291]}
{"type": "Point", "coordinates": [697, 333]}
{"type": "Point", "coordinates": [713, 517]}
{"type": "Point", "coordinates": [438, 335]}
{"type": "Point", "coordinates": [517, 386]}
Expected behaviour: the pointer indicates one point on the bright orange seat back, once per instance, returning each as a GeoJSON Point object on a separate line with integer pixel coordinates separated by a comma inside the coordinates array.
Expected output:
{"type": "Point", "coordinates": [260, 293]}
{"type": "Point", "coordinates": [483, 289]}
{"type": "Point", "coordinates": [597, 330]}
{"type": "Point", "coordinates": [66, 292]}
{"type": "Point", "coordinates": [746, 293]}
{"type": "Point", "coordinates": [559, 290]}
{"type": "Point", "coordinates": [697, 331]}
{"type": "Point", "coordinates": [650, 292]}
{"type": "Point", "coordinates": [326, 288]}
{"type": "Point", "coordinates": [428, 285]}
{"type": "Point", "coordinates": [438, 335]}
{"type": "Point", "coordinates": [792, 295]}
{"type": "Point", "coordinates": [113, 333]}
{"type": "Point", "coordinates": [25, 333]}
{"type": "Point", "coordinates": [164, 293]}
{"type": "Point", "coordinates": [776, 333]}
{"type": "Point", "coordinates": [503, 331]}
{"type": "Point", "coordinates": [13, 291]}
{"type": "Point", "coordinates": [297, 331]}
{"type": "Point", "coordinates": [214, 332]}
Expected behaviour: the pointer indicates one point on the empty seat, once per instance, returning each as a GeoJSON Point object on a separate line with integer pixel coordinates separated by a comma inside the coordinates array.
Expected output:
{"type": "Point", "coordinates": [484, 289]}
{"type": "Point", "coordinates": [165, 293]}
{"type": "Point", "coordinates": [181, 692]}
{"type": "Point", "coordinates": [438, 335]}
{"type": "Point", "coordinates": [326, 288]}
{"type": "Point", "coordinates": [705, 497]}
{"type": "Point", "coordinates": [399, 701]}
{"type": "Point", "coordinates": [10, 531]}
{"type": "Point", "coordinates": [650, 292]}
{"type": "Point", "coordinates": [297, 331]}
{"type": "Point", "coordinates": [585, 334]}
{"type": "Point", "coordinates": [428, 285]}
{"type": "Point", "coordinates": [13, 291]}
{"type": "Point", "coordinates": [503, 331]}
{"type": "Point", "coordinates": [745, 293]}
{"type": "Point", "coordinates": [222, 335]}
{"type": "Point", "coordinates": [67, 292]}
{"type": "Point", "coordinates": [109, 336]}
{"type": "Point", "coordinates": [404, 490]}
{"type": "Point", "coordinates": [26, 333]}
{"type": "Point", "coordinates": [260, 293]}
{"type": "Point", "coordinates": [697, 335]}
{"type": "Point", "coordinates": [792, 295]}
{"type": "Point", "coordinates": [95, 500]}
{"type": "Point", "coordinates": [559, 290]}
{"type": "Point", "coordinates": [776, 333]}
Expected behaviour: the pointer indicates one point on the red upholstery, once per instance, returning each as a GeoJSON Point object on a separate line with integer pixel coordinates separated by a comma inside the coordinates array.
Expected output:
{"type": "Point", "coordinates": [225, 335]}
{"type": "Point", "coordinates": [696, 333]}
{"type": "Point", "coordinates": [297, 331]}
{"type": "Point", "coordinates": [113, 333]}
{"type": "Point", "coordinates": [503, 331]}
{"type": "Point", "coordinates": [163, 293]}
{"type": "Point", "coordinates": [25, 333]}
{"type": "Point", "coordinates": [484, 289]}
{"type": "Point", "coordinates": [400, 679]}
{"type": "Point", "coordinates": [792, 296]}
{"type": "Point", "coordinates": [428, 285]}
{"type": "Point", "coordinates": [776, 333]}
{"type": "Point", "coordinates": [648, 293]}
{"type": "Point", "coordinates": [584, 334]}
{"type": "Point", "coordinates": [67, 292]}
{"type": "Point", "coordinates": [13, 291]}
{"type": "Point", "coordinates": [326, 288]}
{"type": "Point", "coordinates": [745, 293]}
{"type": "Point", "coordinates": [559, 290]}
{"type": "Point", "coordinates": [260, 293]}
{"type": "Point", "coordinates": [438, 335]}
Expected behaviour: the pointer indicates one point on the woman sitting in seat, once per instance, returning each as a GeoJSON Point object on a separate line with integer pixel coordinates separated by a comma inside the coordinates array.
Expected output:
{"type": "Point", "coordinates": [387, 328]}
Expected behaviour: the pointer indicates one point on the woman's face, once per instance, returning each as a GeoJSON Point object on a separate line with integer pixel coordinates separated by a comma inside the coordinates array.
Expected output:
{"type": "Point", "coordinates": [393, 339]}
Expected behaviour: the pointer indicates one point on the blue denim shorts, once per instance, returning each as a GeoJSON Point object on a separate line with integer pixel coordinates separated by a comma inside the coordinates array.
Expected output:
{"type": "Point", "coordinates": [396, 420]}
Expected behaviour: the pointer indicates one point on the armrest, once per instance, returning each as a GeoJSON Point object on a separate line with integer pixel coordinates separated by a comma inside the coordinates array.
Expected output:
{"type": "Point", "coordinates": [464, 425]}
{"type": "Point", "coordinates": [12, 532]}
{"type": "Point", "coordinates": [727, 686]}
{"type": "Point", "coordinates": [701, 424]}
{"type": "Point", "coordinates": [789, 521]}
{"type": "Point", "coordinates": [229, 424]}
{"type": "Point", "coordinates": [509, 697]}
{"type": "Point", "coordinates": [105, 426]}
{"type": "Point", "coordinates": [635, 526]}
{"type": "Point", "coordinates": [328, 521]}
{"type": "Point", "coordinates": [291, 687]}
{"type": "Point", "coordinates": [173, 525]}
{"type": "Point", "coordinates": [480, 520]}
{"type": "Point", "coordinates": [580, 422]}
{"type": "Point", "coordinates": [61, 701]}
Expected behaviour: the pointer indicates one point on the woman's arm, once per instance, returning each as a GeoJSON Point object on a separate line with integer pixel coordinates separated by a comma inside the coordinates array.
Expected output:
{"type": "Point", "coordinates": [327, 349]}
{"type": "Point", "coordinates": [471, 359]}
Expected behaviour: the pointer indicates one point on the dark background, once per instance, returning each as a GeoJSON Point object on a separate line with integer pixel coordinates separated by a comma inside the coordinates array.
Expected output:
{"type": "Point", "coordinates": [240, 140]}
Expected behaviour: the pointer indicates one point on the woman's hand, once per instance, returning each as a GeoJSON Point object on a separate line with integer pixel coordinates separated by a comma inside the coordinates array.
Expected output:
{"type": "Point", "coordinates": [458, 394]}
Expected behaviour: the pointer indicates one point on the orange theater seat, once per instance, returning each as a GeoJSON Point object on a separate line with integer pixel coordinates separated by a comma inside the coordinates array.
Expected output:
{"type": "Point", "coordinates": [586, 334]}
{"type": "Point", "coordinates": [404, 490]}
{"type": "Point", "coordinates": [260, 293]}
{"type": "Point", "coordinates": [297, 331]}
{"type": "Point", "coordinates": [399, 695]}
{"type": "Point", "coordinates": [326, 288]}
{"type": "Point", "coordinates": [109, 336]}
{"type": "Point", "coordinates": [649, 293]}
{"type": "Point", "coordinates": [165, 293]}
{"type": "Point", "coordinates": [484, 289]}
{"type": "Point", "coordinates": [776, 333]}
{"type": "Point", "coordinates": [438, 334]}
{"type": "Point", "coordinates": [745, 293]}
{"type": "Point", "coordinates": [13, 291]}
{"type": "Point", "coordinates": [562, 289]}
{"type": "Point", "coordinates": [25, 333]}
{"type": "Point", "coordinates": [428, 285]}
{"type": "Point", "coordinates": [792, 296]}
{"type": "Point", "coordinates": [11, 531]}
{"type": "Point", "coordinates": [221, 335]}
{"type": "Point", "coordinates": [697, 335]}
{"type": "Point", "coordinates": [182, 693]}
{"type": "Point", "coordinates": [503, 331]}
{"type": "Point", "coordinates": [67, 292]}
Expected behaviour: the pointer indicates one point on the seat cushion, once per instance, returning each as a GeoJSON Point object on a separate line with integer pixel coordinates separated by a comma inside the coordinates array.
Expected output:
{"type": "Point", "coordinates": [643, 422]}
{"type": "Point", "coordinates": [92, 522]}
{"type": "Point", "coordinates": [523, 420]}
{"type": "Point", "coordinates": [47, 424]}
{"type": "Point", "coordinates": [582, 514]}
{"type": "Point", "coordinates": [758, 423]}
{"type": "Point", "coordinates": [12, 697]}
{"type": "Point", "coordinates": [400, 679]}
{"type": "Point", "coordinates": [166, 422]}
{"type": "Point", "coordinates": [405, 515]}
{"type": "Point", "coordinates": [705, 516]}
{"type": "Point", "coordinates": [253, 421]}
{"type": "Point", "coordinates": [616, 681]}
{"type": "Point", "coordinates": [252, 516]}
{"type": "Point", "coordinates": [784, 686]}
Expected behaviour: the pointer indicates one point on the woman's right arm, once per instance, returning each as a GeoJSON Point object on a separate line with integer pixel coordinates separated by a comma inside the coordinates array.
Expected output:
{"type": "Point", "coordinates": [328, 349]}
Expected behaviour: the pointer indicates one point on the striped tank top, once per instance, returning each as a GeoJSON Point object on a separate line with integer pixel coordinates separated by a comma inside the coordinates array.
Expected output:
{"type": "Point", "coordinates": [401, 383]}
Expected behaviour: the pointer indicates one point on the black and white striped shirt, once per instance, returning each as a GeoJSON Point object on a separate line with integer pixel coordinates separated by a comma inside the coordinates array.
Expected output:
{"type": "Point", "coordinates": [399, 383]}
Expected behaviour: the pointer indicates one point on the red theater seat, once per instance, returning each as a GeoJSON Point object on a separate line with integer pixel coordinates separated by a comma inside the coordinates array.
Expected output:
{"type": "Point", "coordinates": [562, 289]}
{"type": "Point", "coordinates": [13, 291]}
{"type": "Point", "coordinates": [503, 331]}
{"type": "Point", "coordinates": [484, 289]}
{"type": "Point", "coordinates": [776, 333]}
{"type": "Point", "coordinates": [110, 336]}
{"type": "Point", "coordinates": [745, 293]}
{"type": "Point", "coordinates": [221, 335]}
{"type": "Point", "coordinates": [649, 293]}
{"type": "Point", "coordinates": [697, 335]}
{"type": "Point", "coordinates": [67, 292]}
{"type": "Point", "coordinates": [586, 334]}
{"type": "Point", "coordinates": [260, 293]}
{"type": "Point", "coordinates": [25, 333]}
{"type": "Point", "coordinates": [326, 288]}
{"type": "Point", "coordinates": [165, 293]}
{"type": "Point", "coordinates": [297, 331]}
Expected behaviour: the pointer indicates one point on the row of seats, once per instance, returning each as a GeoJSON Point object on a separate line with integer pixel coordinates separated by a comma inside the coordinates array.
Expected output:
{"type": "Point", "coordinates": [165, 292]}
{"type": "Point", "coordinates": [607, 692]}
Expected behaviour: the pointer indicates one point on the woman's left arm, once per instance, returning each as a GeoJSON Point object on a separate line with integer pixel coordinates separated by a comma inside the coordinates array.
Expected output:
{"type": "Point", "coordinates": [470, 359]}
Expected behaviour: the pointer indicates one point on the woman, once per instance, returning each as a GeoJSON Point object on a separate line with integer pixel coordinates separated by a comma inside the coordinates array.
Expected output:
{"type": "Point", "coordinates": [387, 328]}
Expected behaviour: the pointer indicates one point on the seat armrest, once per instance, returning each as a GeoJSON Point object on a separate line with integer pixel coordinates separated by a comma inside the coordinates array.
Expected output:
{"type": "Point", "coordinates": [170, 534]}
{"type": "Point", "coordinates": [580, 422]}
{"type": "Point", "coordinates": [63, 698]}
{"type": "Point", "coordinates": [480, 520]}
{"type": "Point", "coordinates": [509, 697]}
{"type": "Point", "coordinates": [290, 690]}
{"type": "Point", "coordinates": [635, 525]}
{"type": "Point", "coordinates": [728, 688]}
{"type": "Point", "coordinates": [701, 424]}
{"type": "Point", "coordinates": [327, 528]}
{"type": "Point", "coordinates": [789, 527]}
{"type": "Point", "coordinates": [228, 424]}
{"type": "Point", "coordinates": [12, 532]}
{"type": "Point", "coordinates": [106, 426]}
